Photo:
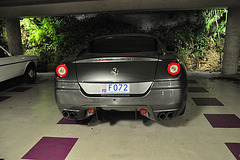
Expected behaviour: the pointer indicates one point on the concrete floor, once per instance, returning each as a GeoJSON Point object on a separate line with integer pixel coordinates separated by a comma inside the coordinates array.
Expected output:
{"type": "Point", "coordinates": [29, 129]}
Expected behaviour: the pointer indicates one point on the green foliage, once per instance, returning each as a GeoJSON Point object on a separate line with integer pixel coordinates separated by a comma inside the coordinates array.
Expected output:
{"type": "Point", "coordinates": [54, 38]}
{"type": "Point", "coordinates": [38, 35]}
{"type": "Point", "coordinates": [215, 22]}
{"type": "Point", "coordinates": [3, 34]}
{"type": "Point", "coordinates": [190, 38]}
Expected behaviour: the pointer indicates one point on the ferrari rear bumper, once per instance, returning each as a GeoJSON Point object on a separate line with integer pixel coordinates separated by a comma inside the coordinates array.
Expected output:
{"type": "Point", "coordinates": [163, 97]}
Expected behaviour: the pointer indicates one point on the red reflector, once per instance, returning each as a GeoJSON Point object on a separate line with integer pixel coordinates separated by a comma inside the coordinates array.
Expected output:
{"type": "Point", "coordinates": [90, 110]}
{"type": "Point", "coordinates": [116, 59]}
{"type": "Point", "coordinates": [173, 68]}
{"type": "Point", "coordinates": [143, 111]}
{"type": "Point", "coordinates": [62, 70]}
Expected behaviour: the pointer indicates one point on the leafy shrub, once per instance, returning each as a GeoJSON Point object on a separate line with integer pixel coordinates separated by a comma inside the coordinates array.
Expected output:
{"type": "Point", "coordinates": [3, 34]}
{"type": "Point", "coordinates": [191, 39]}
{"type": "Point", "coordinates": [54, 38]}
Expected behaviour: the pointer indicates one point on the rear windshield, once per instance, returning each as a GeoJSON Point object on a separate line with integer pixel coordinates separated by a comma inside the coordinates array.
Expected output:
{"type": "Point", "coordinates": [123, 45]}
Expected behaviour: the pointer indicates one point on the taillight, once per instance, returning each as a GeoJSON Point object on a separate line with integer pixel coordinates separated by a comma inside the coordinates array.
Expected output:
{"type": "Point", "coordinates": [62, 70]}
{"type": "Point", "coordinates": [90, 111]}
{"type": "Point", "coordinates": [173, 68]}
{"type": "Point", "coordinates": [143, 111]}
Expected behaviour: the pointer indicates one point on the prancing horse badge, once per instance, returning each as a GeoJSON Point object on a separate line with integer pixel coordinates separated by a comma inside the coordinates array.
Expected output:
{"type": "Point", "coordinates": [115, 71]}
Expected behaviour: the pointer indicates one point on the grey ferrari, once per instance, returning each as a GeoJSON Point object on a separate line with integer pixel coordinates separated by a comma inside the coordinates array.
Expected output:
{"type": "Point", "coordinates": [122, 72]}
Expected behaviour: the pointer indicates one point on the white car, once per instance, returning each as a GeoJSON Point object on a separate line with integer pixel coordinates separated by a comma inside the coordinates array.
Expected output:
{"type": "Point", "coordinates": [15, 66]}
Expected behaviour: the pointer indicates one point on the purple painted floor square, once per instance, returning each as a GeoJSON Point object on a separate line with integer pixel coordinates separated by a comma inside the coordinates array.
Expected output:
{"type": "Point", "coordinates": [223, 120]}
{"type": "Point", "coordinates": [19, 89]}
{"type": "Point", "coordinates": [192, 81]}
{"type": "Point", "coordinates": [235, 149]}
{"type": "Point", "coordinates": [196, 89]}
{"type": "Point", "coordinates": [51, 148]}
{"type": "Point", "coordinates": [207, 102]}
{"type": "Point", "coordinates": [2, 98]}
{"type": "Point", "coordinates": [66, 121]}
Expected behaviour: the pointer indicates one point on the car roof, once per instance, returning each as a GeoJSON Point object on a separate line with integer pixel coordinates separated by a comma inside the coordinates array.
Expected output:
{"type": "Point", "coordinates": [127, 35]}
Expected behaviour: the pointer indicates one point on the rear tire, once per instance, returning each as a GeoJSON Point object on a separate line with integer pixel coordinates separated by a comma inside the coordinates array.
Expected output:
{"type": "Point", "coordinates": [30, 74]}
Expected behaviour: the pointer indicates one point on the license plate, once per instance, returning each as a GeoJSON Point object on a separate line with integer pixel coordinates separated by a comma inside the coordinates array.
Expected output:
{"type": "Point", "coordinates": [115, 88]}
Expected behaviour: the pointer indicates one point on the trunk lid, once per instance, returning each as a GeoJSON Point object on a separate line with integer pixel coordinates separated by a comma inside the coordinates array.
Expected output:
{"type": "Point", "coordinates": [104, 68]}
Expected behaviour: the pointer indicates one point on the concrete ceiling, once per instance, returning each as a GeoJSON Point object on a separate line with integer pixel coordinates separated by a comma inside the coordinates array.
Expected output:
{"type": "Point", "coordinates": [24, 8]}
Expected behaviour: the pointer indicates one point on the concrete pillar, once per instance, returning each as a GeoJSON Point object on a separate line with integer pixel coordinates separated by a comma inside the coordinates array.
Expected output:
{"type": "Point", "coordinates": [14, 36]}
{"type": "Point", "coordinates": [232, 42]}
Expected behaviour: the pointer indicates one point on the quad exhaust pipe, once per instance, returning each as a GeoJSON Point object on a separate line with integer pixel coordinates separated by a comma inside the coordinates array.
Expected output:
{"type": "Point", "coordinates": [69, 115]}
{"type": "Point", "coordinates": [162, 116]}
{"type": "Point", "coordinates": [65, 114]}
{"type": "Point", "coordinates": [72, 115]}
{"type": "Point", "coordinates": [170, 115]}
{"type": "Point", "coordinates": [166, 115]}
